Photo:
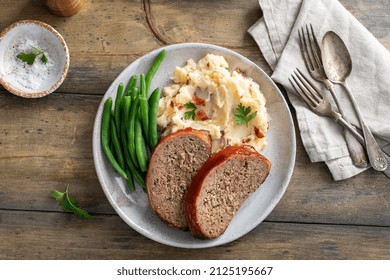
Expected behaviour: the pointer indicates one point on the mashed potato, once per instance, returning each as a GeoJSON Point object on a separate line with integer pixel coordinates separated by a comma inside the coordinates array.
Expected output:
{"type": "Point", "coordinates": [210, 94]}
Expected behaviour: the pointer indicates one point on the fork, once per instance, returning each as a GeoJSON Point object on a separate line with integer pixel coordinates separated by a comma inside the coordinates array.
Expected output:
{"type": "Point", "coordinates": [311, 53]}
{"type": "Point", "coordinates": [319, 103]}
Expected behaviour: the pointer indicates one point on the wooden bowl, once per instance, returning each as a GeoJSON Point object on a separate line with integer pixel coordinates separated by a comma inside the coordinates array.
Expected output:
{"type": "Point", "coordinates": [64, 8]}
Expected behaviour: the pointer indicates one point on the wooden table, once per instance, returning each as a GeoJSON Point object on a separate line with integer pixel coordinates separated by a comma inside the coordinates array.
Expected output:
{"type": "Point", "coordinates": [46, 143]}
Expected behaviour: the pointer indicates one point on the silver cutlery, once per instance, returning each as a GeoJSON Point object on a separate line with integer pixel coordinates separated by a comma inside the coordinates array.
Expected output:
{"type": "Point", "coordinates": [319, 103]}
{"type": "Point", "coordinates": [311, 53]}
{"type": "Point", "coordinates": [338, 66]}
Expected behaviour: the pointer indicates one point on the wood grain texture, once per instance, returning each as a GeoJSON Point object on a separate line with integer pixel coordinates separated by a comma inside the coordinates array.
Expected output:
{"type": "Point", "coordinates": [46, 143]}
{"type": "Point", "coordinates": [40, 235]}
{"type": "Point", "coordinates": [103, 39]}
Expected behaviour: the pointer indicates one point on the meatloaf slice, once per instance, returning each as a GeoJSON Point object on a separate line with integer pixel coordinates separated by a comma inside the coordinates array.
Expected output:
{"type": "Point", "coordinates": [173, 163]}
{"type": "Point", "coordinates": [221, 186]}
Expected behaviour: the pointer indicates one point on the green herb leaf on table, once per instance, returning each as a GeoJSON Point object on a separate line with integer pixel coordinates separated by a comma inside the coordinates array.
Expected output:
{"type": "Point", "coordinates": [68, 203]}
{"type": "Point", "coordinates": [190, 114]}
{"type": "Point", "coordinates": [242, 114]}
{"type": "Point", "coordinates": [29, 58]}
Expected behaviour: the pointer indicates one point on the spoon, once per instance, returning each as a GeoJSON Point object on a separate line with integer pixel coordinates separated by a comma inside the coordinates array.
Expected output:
{"type": "Point", "coordinates": [338, 66]}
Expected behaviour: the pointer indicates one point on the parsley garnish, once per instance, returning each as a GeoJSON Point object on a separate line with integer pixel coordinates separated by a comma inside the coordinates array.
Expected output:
{"type": "Point", "coordinates": [29, 58]}
{"type": "Point", "coordinates": [67, 203]}
{"type": "Point", "coordinates": [242, 116]}
{"type": "Point", "coordinates": [190, 114]}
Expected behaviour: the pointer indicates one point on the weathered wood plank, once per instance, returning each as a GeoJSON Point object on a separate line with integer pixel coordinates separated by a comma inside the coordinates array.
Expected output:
{"type": "Point", "coordinates": [374, 15]}
{"type": "Point", "coordinates": [40, 235]}
{"type": "Point", "coordinates": [118, 27]}
{"type": "Point", "coordinates": [101, 28]}
{"type": "Point", "coordinates": [94, 74]}
{"type": "Point", "coordinates": [46, 143]}
{"type": "Point", "coordinates": [223, 21]}
{"type": "Point", "coordinates": [103, 39]}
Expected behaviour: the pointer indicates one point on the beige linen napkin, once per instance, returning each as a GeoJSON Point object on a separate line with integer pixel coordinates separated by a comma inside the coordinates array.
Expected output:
{"type": "Point", "coordinates": [276, 33]}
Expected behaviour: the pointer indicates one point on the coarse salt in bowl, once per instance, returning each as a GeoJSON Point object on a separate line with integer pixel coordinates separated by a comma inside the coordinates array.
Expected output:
{"type": "Point", "coordinates": [49, 68]}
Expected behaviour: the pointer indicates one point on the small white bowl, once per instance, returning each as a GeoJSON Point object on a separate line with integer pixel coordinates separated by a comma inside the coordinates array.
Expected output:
{"type": "Point", "coordinates": [38, 79]}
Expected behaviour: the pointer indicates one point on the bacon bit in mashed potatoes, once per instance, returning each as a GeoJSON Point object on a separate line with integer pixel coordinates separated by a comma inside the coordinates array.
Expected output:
{"type": "Point", "coordinates": [216, 92]}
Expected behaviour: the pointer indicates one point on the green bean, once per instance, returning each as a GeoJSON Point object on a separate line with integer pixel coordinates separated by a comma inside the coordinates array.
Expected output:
{"type": "Point", "coordinates": [111, 145]}
{"type": "Point", "coordinates": [130, 130]}
{"type": "Point", "coordinates": [130, 180]}
{"type": "Point", "coordinates": [141, 180]}
{"type": "Point", "coordinates": [140, 146]}
{"type": "Point", "coordinates": [118, 101]}
{"type": "Point", "coordinates": [134, 93]}
{"type": "Point", "coordinates": [144, 106]}
{"type": "Point", "coordinates": [125, 119]}
{"type": "Point", "coordinates": [153, 111]}
{"type": "Point", "coordinates": [126, 105]}
{"type": "Point", "coordinates": [116, 144]}
{"type": "Point", "coordinates": [105, 135]}
{"type": "Point", "coordinates": [126, 113]}
{"type": "Point", "coordinates": [136, 174]}
{"type": "Point", "coordinates": [130, 84]}
{"type": "Point", "coordinates": [153, 69]}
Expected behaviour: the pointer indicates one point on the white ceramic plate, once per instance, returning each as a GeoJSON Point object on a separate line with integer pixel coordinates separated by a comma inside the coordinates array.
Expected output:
{"type": "Point", "coordinates": [133, 207]}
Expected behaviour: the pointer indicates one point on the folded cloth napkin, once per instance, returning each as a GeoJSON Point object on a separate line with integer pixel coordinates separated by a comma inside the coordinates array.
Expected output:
{"type": "Point", "coordinates": [276, 33]}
